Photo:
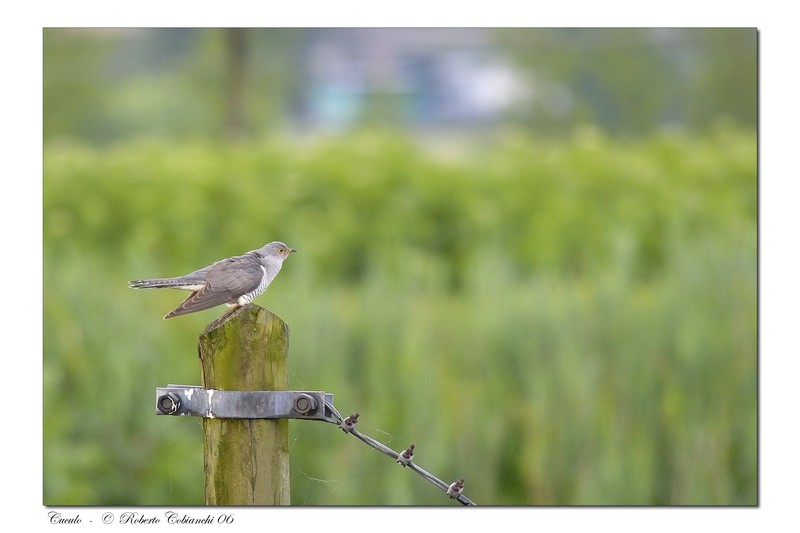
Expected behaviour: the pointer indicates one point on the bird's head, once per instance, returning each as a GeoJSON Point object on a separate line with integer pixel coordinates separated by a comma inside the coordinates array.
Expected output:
{"type": "Point", "coordinates": [277, 250]}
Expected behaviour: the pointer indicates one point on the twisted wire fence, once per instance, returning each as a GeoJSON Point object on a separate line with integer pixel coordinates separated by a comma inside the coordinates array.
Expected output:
{"type": "Point", "coordinates": [454, 490]}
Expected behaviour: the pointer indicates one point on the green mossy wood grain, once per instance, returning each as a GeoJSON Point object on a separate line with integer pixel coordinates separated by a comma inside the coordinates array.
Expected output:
{"type": "Point", "coordinates": [246, 461]}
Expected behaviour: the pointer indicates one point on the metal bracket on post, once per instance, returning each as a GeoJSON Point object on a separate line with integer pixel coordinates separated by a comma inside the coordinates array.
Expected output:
{"type": "Point", "coordinates": [191, 400]}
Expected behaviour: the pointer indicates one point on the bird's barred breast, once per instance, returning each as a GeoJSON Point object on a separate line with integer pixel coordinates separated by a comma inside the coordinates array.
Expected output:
{"type": "Point", "coordinates": [262, 286]}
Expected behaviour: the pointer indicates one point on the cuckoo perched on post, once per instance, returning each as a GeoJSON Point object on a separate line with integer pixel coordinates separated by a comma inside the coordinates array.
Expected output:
{"type": "Point", "coordinates": [235, 281]}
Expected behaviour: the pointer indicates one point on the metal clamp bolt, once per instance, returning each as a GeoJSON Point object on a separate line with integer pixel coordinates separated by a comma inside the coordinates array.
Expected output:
{"type": "Point", "coordinates": [304, 404]}
{"type": "Point", "coordinates": [168, 403]}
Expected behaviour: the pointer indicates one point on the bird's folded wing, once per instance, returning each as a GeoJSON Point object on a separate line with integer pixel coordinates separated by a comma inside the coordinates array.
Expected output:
{"type": "Point", "coordinates": [225, 282]}
{"type": "Point", "coordinates": [238, 275]}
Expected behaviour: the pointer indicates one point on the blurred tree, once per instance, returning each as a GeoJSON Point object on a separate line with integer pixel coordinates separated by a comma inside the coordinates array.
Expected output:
{"type": "Point", "coordinates": [236, 43]}
{"type": "Point", "coordinates": [633, 80]}
{"type": "Point", "coordinates": [102, 85]}
{"type": "Point", "coordinates": [727, 83]}
{"type": "Point", "coordinates": [74, 84]}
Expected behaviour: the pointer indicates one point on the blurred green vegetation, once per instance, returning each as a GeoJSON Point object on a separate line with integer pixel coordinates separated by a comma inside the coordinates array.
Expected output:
{"type": "Point", "coordinates": [568, 322]}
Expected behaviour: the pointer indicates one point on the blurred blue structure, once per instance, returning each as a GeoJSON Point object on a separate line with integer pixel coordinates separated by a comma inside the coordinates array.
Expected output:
{"type": "Point", "coordinates": [409, 76]}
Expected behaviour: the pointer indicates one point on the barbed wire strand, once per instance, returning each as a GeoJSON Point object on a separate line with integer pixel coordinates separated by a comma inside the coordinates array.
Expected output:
{"type": "Point", "coordinates": [414, 467]}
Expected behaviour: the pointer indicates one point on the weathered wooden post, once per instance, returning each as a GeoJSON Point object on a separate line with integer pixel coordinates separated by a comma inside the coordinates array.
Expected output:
{"type": "Point", "coordinates": [246, 460]}
{"type": "Point", "coordinates": [246, 409]}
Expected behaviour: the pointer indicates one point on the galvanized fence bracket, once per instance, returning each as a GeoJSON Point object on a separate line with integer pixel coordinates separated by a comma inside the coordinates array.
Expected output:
{"type": "Point", "coordinates": [191, 400]}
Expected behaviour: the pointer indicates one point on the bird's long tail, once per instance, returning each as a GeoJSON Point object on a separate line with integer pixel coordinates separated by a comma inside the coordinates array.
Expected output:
{"type": "Point", "coordinates": [159, 283]}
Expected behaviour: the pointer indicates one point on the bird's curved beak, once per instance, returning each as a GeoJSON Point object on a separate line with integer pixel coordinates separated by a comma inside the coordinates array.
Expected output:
{"type": "Point", "coordinates": [290, 250]}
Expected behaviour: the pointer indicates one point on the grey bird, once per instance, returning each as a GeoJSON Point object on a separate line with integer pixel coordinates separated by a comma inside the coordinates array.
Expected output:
{"type": "Point", "coordinates": [235, 281]}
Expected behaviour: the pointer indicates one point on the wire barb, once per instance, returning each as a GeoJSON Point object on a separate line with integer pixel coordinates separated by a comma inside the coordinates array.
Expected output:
{"type": "Point", "coordinates": [349, 423]}
{"type": "Point", "coordinates": [406, 456]}
{"type": "Point", "coordinates": [453, 490]}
